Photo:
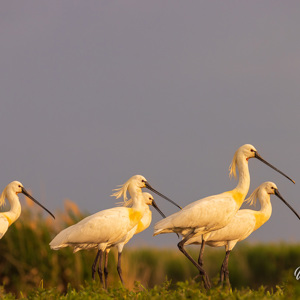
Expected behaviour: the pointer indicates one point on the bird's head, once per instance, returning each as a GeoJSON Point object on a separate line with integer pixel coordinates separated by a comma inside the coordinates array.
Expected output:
{"type": "Point", "coordinates": [248, 151]}
{"type": "Point", "coordinates": [15, 187]}
{"type": "Point", "coordinates": [137, 182]}
{"type": "Point", "coordinates": [149, 200]}
{"type": "Point", "coordinates": [270, 187]}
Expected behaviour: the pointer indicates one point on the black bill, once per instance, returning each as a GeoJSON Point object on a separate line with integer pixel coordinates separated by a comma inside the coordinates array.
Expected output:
{"type": "Point", "coordinates": [29, 196]}
{"type": "Point", "coordinates": [268, 164]}
{"type": "Point", "coordinates": [156, 207]}
{"type": "Point", "coordinates": [280, 197]}
{"type": "Point", "coordinates": [149, 187]}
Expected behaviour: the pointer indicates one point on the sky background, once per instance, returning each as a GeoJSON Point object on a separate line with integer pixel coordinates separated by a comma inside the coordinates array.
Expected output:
{"type": "Point", "coordinates": [93, 92]}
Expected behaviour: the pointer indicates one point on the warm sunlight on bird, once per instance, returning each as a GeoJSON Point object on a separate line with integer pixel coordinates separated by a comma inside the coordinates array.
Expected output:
{"type": "Point", "coordinates": [214, 212]}
{"type": "Point", "coordinates": [10, 193]}
{"type": "Point", "coordinates": [143, 224]}
{"type": "Point", "coordinates": [108, 227]}
{"type": "Point", "coordinates": [241, 225]}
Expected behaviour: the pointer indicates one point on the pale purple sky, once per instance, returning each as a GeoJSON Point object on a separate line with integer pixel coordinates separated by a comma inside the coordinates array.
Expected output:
{"type": "Point", "coordinates": [93, 92]}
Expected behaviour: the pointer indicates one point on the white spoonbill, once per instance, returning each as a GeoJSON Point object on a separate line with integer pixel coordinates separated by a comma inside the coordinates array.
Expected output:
{"type": "Point", "coordinates": [107, 227]}
{"type": "Point", "coordinates": [241, 226]}
{"type": "Point", "coordinates": [10, 193]}
{"type": "Point", "coordinates": [214, 212]}
{"type": "Point", "coordinates": [143, 224]}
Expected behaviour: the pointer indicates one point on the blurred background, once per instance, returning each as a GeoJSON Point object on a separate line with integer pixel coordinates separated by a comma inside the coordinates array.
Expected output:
{"type": "Point", "coordinates": [93, 92]}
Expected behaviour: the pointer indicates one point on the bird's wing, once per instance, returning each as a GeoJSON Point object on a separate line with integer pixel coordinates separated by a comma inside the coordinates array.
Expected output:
{"type": "Point", "coordinates": [239, 228]}
{"type": "Point", "coordinates": [208, 213]}
{"type": "Point", "coordinates": [4, 224]}
{"type": "Point", "coordinates": [103, 227]}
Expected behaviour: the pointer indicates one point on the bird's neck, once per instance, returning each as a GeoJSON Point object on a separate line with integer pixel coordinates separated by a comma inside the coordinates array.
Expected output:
{"type": "Point", "coordinates": [264, 214]}
{"type": "Point", "coordinates": [15, 208]}
{"type": "Point", "coordinates": [244, 176]}
{"type": "Point", "coordinates": [145, 221]}
{"type": "Point", "coordinates": [137, 198]}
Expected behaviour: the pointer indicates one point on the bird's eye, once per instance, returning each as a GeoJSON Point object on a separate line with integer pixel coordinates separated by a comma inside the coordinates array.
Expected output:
{"type": "Point", "coordinates": [19, 186]}
{"type": "Point", "coordinates": [252, 150]}
{"type": "Point", "coordinates": [272, 188]}
{"type": "Point", "coordinates": [143, 180]}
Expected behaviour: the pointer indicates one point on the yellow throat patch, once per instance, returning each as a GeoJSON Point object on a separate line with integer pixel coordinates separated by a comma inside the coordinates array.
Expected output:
{"type": "Point", "coordinates": [134, 216]}
{"type": "Point", "coordinates": [237, 196]}
{"type": "Point", "coordinates": [8, 219]}
{"type": "Point", "coordinates": [260, 220]}
{"type": "Point", "coordinates": [140, 227]}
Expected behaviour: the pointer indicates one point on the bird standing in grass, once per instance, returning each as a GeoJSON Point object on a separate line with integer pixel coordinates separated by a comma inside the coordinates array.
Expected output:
{"type": "Point", "coordinates": [143, 224]}
{"type": "Point", "coordinates": [241, 226]}
{"type": "Point", "coordinates": [10, 193]}
{"type": "Point", "coordinates": [214, 212]}
{"type": "Point", "coordinates": [108, 227]}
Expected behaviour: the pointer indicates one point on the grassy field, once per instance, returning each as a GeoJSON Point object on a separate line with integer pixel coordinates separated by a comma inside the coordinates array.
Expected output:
{"type": "Point", "coordinates": [29, 268]}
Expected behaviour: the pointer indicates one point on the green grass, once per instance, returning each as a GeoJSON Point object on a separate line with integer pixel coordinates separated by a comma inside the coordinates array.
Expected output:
{"type": "Point", "coordinates": [29, 268]}
{"type": "Point", "coordinates": [182, 290]}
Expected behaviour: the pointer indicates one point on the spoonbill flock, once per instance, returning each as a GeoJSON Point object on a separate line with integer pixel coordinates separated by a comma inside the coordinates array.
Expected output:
{"type": "Point", "coordinates": [215, 220]}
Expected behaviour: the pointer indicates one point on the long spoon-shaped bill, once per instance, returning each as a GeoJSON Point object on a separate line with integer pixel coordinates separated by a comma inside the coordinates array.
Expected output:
{"type": "Point", "coordinates": [268, 164]}
{"type": "Point", "coordinates": [156, 207]}
{"type": "Point", "coordinates": [149, 187]}
{"type": "Point", "coordinates": [29, 196]}
{"type": "Point", "coordinates": [280, 197]}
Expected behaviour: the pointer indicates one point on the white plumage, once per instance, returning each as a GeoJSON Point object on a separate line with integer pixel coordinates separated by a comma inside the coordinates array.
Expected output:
{"type": "Point", "coordinates": [143, 224]}
{"type": "Point", "coordinates": [10, 193]}
{"type": "Point", "coordinates": [241, 226]}
{"type": "Point", "coordinates": [109, 227]}
{"type": "Point", "coordinates": [214, 212]}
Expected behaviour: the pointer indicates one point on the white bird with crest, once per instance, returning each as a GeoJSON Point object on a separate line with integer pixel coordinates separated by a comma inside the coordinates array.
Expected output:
{"type": "Point", "coordinates": [10, 193]}
{"type": "Point", "coordinates": [214, 212]}
{"type": "Point", "coordinates": [143, 224]}
{"type": "Point", "coordinates": [108, 227]}
{"type": "Point", "coordinates": [241, 226]}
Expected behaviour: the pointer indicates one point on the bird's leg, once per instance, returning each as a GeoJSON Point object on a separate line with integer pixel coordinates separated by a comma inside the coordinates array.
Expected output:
{"type": "Point", "coordinates": [200, 258]}
{"type": "Point", "coordinates": [227, 271]}
{"type": "Point", "coordinates": [100, 273]}
{"type": "Point", "coordinates": [201, 270]}
{"type": "Point", "coordinates": [119, 267]}
{"type": "Point", "coordinates": [224, 269]}
{"type": "Point", "coordinates": [105, 267]}
{"type": "Point", "coordinates": [95, 264]}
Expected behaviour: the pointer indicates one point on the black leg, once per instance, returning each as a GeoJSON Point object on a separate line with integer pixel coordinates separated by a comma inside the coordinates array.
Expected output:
{"type": "Point", "coordinates": [100, 273]}
{"type": "Point", "coordinates": [119, 267]}
{"type": "Point", "coordinates": [227, 271]}
{"type": "Point", "coordinates": [105, 267]}
{"type": "Point", "coordinates": [200, 258]}
{"type": "Point", "coordinates": [224, 269]}
{"type": "Point", "coordinates": [95, 264]}
{"type": "Point", "coordinates": [201, 270]}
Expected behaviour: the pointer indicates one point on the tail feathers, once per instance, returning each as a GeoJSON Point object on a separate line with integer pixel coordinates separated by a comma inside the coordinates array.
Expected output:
{"type": "Point", "coordinates": [57, 247]}
{"type": "Point", "coordinates": [163, 226]}
{"type": "Point", "coordinates": [157, 232]}
{"type": "Point", "coordinates": [61, 240]}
